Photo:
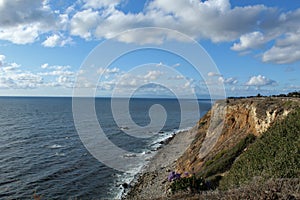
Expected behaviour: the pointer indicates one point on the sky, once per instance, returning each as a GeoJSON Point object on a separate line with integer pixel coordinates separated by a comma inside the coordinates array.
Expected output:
{"type": "Point", "coordinates": [45, 44]}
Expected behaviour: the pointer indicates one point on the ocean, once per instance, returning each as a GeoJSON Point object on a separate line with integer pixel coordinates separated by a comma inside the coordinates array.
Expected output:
{"type": "Point", "coordinates": [41, 152]}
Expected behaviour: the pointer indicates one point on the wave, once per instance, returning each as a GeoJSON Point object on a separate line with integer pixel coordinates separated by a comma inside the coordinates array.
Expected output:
{"type": "Point", "coordinates": [55, 146]}
{"type": "Point", "coordinates": [128, 179]}
{"type": "Point", "coordinates": [164, 138]}
{"type": "Point", "coordinates": [60, 154]}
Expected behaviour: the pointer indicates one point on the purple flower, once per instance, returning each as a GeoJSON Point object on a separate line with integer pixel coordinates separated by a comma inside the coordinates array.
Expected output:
{"type": "Point", "coordinates": [173, 176]}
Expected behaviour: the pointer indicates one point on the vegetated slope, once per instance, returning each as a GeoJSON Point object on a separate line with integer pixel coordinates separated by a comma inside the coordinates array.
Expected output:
{"type": "Point", "coordinates": [274, 151]}
{"type": "Point", "coordinates": [275, 155]}
{"type": "Point", "coordinates": [243, 117]}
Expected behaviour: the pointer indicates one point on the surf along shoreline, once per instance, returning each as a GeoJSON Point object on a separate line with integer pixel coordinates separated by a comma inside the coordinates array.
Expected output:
{"type": "Point", "coordinates": [151, 181]}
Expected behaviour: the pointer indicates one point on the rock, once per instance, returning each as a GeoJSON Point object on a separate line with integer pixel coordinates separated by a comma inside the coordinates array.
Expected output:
{"type": "Point", "coordinates": [125, 185]}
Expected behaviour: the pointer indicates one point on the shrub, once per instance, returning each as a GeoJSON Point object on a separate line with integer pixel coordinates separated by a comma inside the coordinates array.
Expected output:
{"type": "Point", "coordinates": [192, 183]}
{"type": "Point", "coordinates": [275, 155]}
{"type": "Point", "coordinates": [222, 161]}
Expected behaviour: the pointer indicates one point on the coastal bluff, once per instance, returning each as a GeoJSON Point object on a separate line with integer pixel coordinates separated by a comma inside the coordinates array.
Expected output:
{"type": "Point", "coordinates": [242, 124]}
{"type": "Point", "coordinates": [242, 117]}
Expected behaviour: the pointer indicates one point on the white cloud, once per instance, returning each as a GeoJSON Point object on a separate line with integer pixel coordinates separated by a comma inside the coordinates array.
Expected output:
{"type": "Point", "coordinates": [285, 50]}
{"type": "Point", "coordinates": [153, 75]}
{"type": "Point", "coordinates": [282, 55]}
{"type": "Point", "coordinates": [24, 12]}
{"type": "Point", "coordinates": [176, 65]}
{"type": "Point", "coordinates": [56, 70]}
{"type": "Point", "coordinates": [2, 58]}
{"type": "Point", "coordinates": [21, 22]}
{"type": "Point", "coordinates": [249, 27]}
{"type": "Point", "coordinates": [106, 71]}
{"type": "Point", "coordinates": [55, 67]}
{"type": "Point", "coordinates": [56, 40]}
{"type": "Point", "coordinates": [260, 81]}
{"type": "Point", "coordinates": [57, 73]}
{"type": "Point", "coordinates": [84, 22]}
{"type": "Point", "coordinates": [177, 77]}
{"type": "Point", "coordinates": [13, 76]}
{"type": "Point", "coordinates": [21, 34]}
{"type": "Point", "coordinates": [249, 41]}
{"type": "Point", "coordinates": [213, 74]}
{"type": "Point", "coordinates": [65, 81]}
{"type": "Point", "coordinates": [214, 20]}
{"type": "Point", "coordinates": [100, 3]}
{"type": "Point", "coordinates": [10, 67]}
{"type": "Point", "coordinates": [229, 81]}
{"type": "Point", "coordinates": [24, 80]}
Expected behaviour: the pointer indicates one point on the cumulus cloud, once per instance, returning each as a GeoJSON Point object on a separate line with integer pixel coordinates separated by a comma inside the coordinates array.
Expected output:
{"type": "Point", "coordinates": [229, 81]}
{"type": "Point", "coordinates": [14, 76]}
{"type": "Point", "coordinates": [177, 77]}
{"type": "Point", "coordinates": [100, 3]}
{"type": "Point", "coordinates": [211, 74]}
{"type": "Point", "coordinates": [260, 81]}
{"type": "Point", "coordinates": [2, 57]}
{"type": "Point", "coordinates": [24, 12]}
{"type": "Point", "coordinates": [153, 75]}
{"type": "Point", "coordinates": [106, 71]}
{"type": "Point", "coordinates": [247, 27]}
{"type": "Point", "coordinates": [176, 65]}
{"type": "Point", "coordinates": [20, 34]}
{"type": "Point", "coordinates": [285, 50]}
{"type": "Point", "coordinates": [10, 67]}
{"type": "Point", "coordinates": [65, 81]}
{"type": "Point", "coordinates": [19, 79]}
{"type": "Point", "coordinates": [21, 22]}
{"type": "Point", "coordinates": [56, 40]}
{"type": "Point", "coordinates": [249, 41]}
{"type": "Point", "coordinates": [84, 22]}
{"type": "Point", "coordinates": [55, 67]}
{"type": "Point", "coordinates": [214, 20]}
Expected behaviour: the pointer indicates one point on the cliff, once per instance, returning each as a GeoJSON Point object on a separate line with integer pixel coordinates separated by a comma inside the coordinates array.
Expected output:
{"type": "Point", "coordinates": [241, 117]}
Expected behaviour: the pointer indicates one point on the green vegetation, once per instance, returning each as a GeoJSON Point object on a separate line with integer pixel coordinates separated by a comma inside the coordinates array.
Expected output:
{"type": "Point", "coordinates": [295, 94]}
{"type": "Point", "coordinates": [212, 168]}
{"type": "Point", "coordinates": [222, 161]}
{"type": "Point", "coordinates": [289, 103]}
{"type": "Point", "coordinates": [275, 155]}
{"type": "Point", "coordinates": [192, 183]}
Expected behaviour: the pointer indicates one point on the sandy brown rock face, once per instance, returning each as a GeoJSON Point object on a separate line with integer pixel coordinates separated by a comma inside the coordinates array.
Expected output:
{"type": "Point", "coordinates": [242, 117]}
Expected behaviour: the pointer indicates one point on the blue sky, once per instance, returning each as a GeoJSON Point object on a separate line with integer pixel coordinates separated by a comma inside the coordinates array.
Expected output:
{"type": "Point", "coordinates": [254, 44]}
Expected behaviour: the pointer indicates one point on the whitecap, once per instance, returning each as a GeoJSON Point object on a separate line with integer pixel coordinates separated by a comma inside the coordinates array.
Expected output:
{"type": "Point", "coordinates": [128, 155]}
{"type": "Point", "coordinates": [60, 154]}
{"type": "Point", "coordinates": [55, 146]}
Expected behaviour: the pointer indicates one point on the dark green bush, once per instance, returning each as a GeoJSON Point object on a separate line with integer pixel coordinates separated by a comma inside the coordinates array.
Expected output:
{"type": "Point", "coordinates": [192, 183]}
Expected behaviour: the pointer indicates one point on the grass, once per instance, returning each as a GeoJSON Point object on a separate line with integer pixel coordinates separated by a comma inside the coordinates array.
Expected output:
{"type": "Point", "coordinates": [222, 161]}
{"type": "Point", "coordinates": [275, 155]}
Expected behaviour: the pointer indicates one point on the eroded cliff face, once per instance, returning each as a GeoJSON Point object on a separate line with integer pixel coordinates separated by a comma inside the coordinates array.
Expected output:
{"type": "Point", "coordinates": [227, 123]}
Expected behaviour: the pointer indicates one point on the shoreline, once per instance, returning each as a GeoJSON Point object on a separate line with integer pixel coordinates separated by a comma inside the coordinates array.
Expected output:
{"type": "Point", "coordinates": [151, 181]}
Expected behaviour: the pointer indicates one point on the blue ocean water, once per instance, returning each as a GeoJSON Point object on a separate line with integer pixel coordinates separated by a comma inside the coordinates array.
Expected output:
{"type": "Point", "coordinates": [41, 152]}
